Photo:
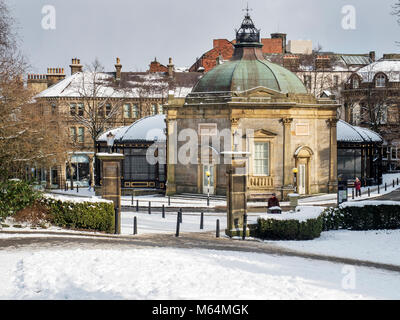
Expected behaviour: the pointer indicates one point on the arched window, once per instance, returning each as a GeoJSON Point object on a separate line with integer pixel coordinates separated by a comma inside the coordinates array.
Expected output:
{"type": "Point", "coordinates": [356, 83]}
{"type": "Point", "coordinates": [380, 81]}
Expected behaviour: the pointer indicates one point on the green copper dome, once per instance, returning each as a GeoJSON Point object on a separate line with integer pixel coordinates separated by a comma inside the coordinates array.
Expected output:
{"type": "Point", "coordinates": [248, 68]}
{"type": "Point", "coordinates": [241, 75]}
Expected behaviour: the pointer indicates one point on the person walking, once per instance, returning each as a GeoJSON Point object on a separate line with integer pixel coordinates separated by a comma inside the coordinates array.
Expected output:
{"type": "Point", "coordinates": [357, 185]}
{"type": "Point", "coordinates": [273, 204]}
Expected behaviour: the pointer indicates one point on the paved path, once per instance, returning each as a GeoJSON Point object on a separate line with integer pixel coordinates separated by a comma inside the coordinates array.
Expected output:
{"type": "Point", "coordinates": [393, 196]}
{"type": "Point", "coordinates": [205, 240]}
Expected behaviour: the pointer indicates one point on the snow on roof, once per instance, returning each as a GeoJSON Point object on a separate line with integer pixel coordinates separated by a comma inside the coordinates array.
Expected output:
{"type": "Point", "coordinates": [348, 133]}
{"type": "Point", "coordinates": [150, 129]}
{"type": "Point", "coordinates": [389, 67]}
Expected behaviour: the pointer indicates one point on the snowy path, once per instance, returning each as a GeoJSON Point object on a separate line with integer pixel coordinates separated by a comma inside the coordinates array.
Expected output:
{"type": "Point", "coordinates": [183, 274]}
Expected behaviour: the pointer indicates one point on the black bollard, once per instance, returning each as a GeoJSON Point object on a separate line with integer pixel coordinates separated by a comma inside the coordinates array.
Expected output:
{"type": "Point", "coordinates": [134, 225]}
{"type": "Point", "coordinates": [208, 201]}
{"type": "Point", "coordinates": [352, 193]}
{"type": "Point", "coordinates": [180, 215]}
{"type": "Point", "coordinates": [385, 187]}
{"type": "Point", "coordinates": [244, 226]}
{"type": "Point", "coordinates": [217, 233]}
{"type": "Point", "coordinates": [177, 225]}
{"type": "Point", "coordinates": [149, 207]}
{"type": "Point", "coordinates": [132, 200]}
{"type": "Point", "coordinates": [137, 205]}
{"type": "Point", "coordinates": [169, 200]}
{"type": "Point", "coordinates": [77, 189]}
{"type": "Point", "coordinates": [116, 221]}
{"type": "Point", "coordinates": [163, 211]}
{"type": "Point", "coordinates": [379, 189]}
{"type": "Point", "coordinates": [202, 221]}
{"type": "Point", "coordinates": [369, 192]}
{"type": "Point", "coordinates": [397, 181]}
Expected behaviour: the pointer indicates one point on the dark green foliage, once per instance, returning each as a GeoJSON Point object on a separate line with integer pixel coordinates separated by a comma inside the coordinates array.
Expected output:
{"type": "Point", "coordinates": [271, 229]}
{"type": "Point", "coordinates": [87, 215]}
{"type": "Point", "coordinates": [362, 218]}
{"type": "Point", "coordinates": [15, 195]}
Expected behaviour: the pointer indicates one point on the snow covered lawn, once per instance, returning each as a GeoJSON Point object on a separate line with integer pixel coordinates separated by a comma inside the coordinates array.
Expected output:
{"type": "Point", "coordinates": [377, 245]}
{"type": "Point", "coordinates": [183, 274]}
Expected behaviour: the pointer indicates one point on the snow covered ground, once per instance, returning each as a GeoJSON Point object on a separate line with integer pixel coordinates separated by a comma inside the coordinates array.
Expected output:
{"type": "Point", "coordinates": [184, 274]}
{"type": "Point", "coordinates": [376, 245]}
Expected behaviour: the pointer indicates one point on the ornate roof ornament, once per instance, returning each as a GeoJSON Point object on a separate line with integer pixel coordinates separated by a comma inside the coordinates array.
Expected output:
{"type": "Point", "coordinates": [247, 33]}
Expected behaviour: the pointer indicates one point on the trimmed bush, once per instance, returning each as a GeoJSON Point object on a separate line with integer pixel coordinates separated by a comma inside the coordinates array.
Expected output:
{"type": "Point", "coordinates": [16, 195]}
{"type": "Point", "coordinates": [369, 217]}
{"type": "Point", "coordinates": [97, 216]}
{"type": "Point", "coordinates": [272, 229]}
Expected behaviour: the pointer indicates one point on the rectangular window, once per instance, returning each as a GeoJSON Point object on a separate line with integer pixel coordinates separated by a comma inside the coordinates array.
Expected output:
{"type": "Point", "coordinates": [160, 109]}
{"type": "Point", "coordinates": [53, 109]}
{"type": "Point", "coordinates": [127, 111]}
{"type": "Point", "coordinates": [81, 134]}
{"type": "Point", "coordinates": [261, 158]}
{"type": "Point", "coordinates": [72, 133]}
{"type": "Point", "coordinates": [135, 111]}
{"type": "Point", "coordinates": [72, 109]}
{"type": "Point", "coordinates": [153, 109]}
{"type": "Point", "coordinates": [80, 109]}
{"type": "Point", "coordinates": [108, 109]}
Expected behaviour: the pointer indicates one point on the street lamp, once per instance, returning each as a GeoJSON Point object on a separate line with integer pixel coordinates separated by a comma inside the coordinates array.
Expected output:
{"type": "Point", "coordinates": [208, 174]}
{"type": "Point", "coordinates": [295, 171]}
{"type": "Point", "coordinates": [110, 141]}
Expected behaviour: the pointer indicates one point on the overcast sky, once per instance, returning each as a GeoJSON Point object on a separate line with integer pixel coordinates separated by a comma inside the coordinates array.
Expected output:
{"type": "Point", "coordinates": [137, 31]}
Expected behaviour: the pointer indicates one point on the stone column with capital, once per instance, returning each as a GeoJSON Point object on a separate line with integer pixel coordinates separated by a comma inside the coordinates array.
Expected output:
{"type": "Point", "coordinates": [287, 158]}
{"type": "Point", "coordinates": [333, 182]}
{"type": "Point", "coordinates": [111, 182]}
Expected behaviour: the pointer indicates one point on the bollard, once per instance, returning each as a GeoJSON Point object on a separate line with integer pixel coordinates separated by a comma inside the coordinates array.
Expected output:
{"type": "Point", "coordinates": [132, 200]}
{"type": "Point", "coordinates": [352, 193]}
{"type": "Point", "coordinates": [397, 181]}
{"type": "Point", "coordinates": [149, 207]}
{"type": "Point", "coordinates": [169, 200]}
{"type": "Point", "coordinates": [217, 233]}
{"type": "Point", "coordinates": [134, 225]}
{"type": "Point", "coordinates": [208, 201]}
{"type": "Point", "coordinates": [177, 225]}
{"type": "Point", "coordinates": [116, 221]}
{"type": "Point", "coordinates": [202, 221]}
{"type": "Point", "coordinates": [65, 187]}
{"type": "Point", "coordinates": [385, 187]}
{"type": "Point", "coordinates": [137, 205]}
{"type": "Point", "coordinates": [77, 189]}
{"type": "Point", "coordinates": [369, 192]}
{"type": "Point", "coordinates": [163, 211]}
{"type": "Point", "coordinates": [379, 189]}
{"type": "Point", "coordinates": [180, 215]}
{"type": "Point", "coordinates": [244, 226]}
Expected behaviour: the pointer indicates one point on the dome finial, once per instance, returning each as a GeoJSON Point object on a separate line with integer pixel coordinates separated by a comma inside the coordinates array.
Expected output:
{"type": "Point", "coordinates": [247, 32]}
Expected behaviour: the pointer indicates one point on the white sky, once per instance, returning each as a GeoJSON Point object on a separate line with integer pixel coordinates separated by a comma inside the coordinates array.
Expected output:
{"type": "Point", "coordinates": [137, 31]}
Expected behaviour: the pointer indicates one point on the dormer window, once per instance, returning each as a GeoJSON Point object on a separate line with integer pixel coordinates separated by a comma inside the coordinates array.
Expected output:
{"type": "Point", "coordinates": [356, 83]}
{"type": "Point", "coordinates": [380, 81]}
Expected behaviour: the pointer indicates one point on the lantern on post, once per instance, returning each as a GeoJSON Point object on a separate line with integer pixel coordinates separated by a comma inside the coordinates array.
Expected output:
{"type": "Point", "coordinates": [295, 171]}
{"type": "Point", "coordinates": [208, 174]}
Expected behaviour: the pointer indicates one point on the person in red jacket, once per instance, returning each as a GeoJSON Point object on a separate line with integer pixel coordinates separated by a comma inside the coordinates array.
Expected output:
{"type": "Point", "coordinates": [273, 202]}
{"type": "Point", "coordinates": [357, 185]}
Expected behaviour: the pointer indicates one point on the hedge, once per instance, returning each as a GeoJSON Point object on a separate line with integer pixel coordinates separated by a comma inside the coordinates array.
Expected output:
{"type": "Point", "coordinates": [16, 195]}
{"type": "Point", "coordinates": [272, 229]}
{"type": "Point", "coordinates": [368, 217]}
{"type": "Point", "coordinates": [97, 216]}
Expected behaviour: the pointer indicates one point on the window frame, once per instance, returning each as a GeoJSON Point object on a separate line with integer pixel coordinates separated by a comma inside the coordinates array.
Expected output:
{"type": "Point", "coordinates": [267, 159]}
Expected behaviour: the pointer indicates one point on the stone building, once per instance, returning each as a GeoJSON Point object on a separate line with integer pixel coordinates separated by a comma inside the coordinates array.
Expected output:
{"type": "Point", "coordinates": [120, 99]}
{"type": "Point", "coordinates": [259, 107]}
{"type": "Point", "coordinates": [372, 100]}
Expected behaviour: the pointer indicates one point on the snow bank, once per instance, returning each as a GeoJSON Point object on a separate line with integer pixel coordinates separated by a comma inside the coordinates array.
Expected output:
{"type": "Point", "coordinates": [369, 203]}
{"type": "Point", "coordinates": [65, 198]}
{"type": "Point", "coordinates": [302, 214]}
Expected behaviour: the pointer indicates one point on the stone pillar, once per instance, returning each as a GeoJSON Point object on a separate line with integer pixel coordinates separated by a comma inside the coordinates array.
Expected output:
{"type": "Point", "coordinates": [171, 156]}
{"type": "Point", "coordinates": [333, 183]}
{"type": "Point", "coordinates": [111, 181]}
{"type": "Point", "coordinates": [287, 158]}
{"type": "Point", "coordinates": [236, 196]}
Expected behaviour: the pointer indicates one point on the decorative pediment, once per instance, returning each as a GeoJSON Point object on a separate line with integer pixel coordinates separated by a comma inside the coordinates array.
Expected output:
{"type": "Point", "coordinates": [262, 92]}
{"type": "Point", "coordinates": [261, 133]}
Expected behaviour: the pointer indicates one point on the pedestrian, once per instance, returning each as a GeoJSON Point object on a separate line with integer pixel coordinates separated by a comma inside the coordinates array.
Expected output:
{"type": "Point", "coordinates": [90, 184]}
{"type": "Point", "coordinates": [357, 185]}
{"type": "Point", "coordinates": [273, 204]}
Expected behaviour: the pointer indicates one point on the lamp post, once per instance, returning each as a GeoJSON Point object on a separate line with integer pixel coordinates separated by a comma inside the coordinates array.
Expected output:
{"type": "Point", "coordinates": [208, 174]}
{"type": "Point", "coordinates": [295, 171]}
{"type": "Point", "coordinates": [110, 141]}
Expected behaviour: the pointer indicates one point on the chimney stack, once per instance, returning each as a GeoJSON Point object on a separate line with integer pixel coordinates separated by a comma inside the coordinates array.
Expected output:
{"type": "Point", "coordinates": [372, 56]}
{"type": "Point", "coordinates": [76, 66]}
{"type": "Point", "coordinates": [170, 68]}
{"type": "Point", "coordinates": [281, 36]}
{"type": "Point", "coordinates": [118, 68]}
